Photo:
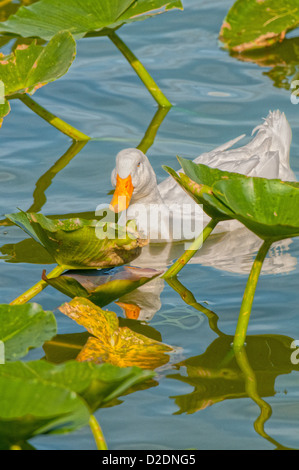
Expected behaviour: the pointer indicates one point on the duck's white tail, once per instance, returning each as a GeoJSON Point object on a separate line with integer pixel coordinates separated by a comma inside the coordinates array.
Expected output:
{"type": "Point", "coordinates": [275, 134]}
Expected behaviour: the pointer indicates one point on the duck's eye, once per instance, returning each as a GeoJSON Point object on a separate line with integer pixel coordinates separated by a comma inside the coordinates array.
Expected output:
{"type": "Point", "coordinates": [139, 164]}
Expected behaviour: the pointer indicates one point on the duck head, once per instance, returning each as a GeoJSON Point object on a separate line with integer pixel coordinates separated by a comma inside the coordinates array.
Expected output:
{"type": "Point", "coordinates": [133, 178]}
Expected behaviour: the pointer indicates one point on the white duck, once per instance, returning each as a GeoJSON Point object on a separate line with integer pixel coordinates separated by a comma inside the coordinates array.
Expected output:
{"type": "Point", "coordinates": [266, 155]}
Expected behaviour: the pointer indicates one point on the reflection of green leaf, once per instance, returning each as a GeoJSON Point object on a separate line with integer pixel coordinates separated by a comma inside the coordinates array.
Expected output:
{"type": "Point", "coordinates": [251, 24]}
{"type": "Point", "coordinates": [74, 243]}
{"type": "Point", "coordinates": [215, 381]}
{"type": "Point", "coordinates": [30, 67]}
{"type": "Point", "coordinates": [38, 397]}
{"type": "Point", "coordinates": [282, 58]}
{"type": "Point", "coordinates": [110, 342]}
{"type": "Point", "coordinates": [7, 10]}
{"type": "Point", "coordinates": [47, 17]}
{"type": "Point", "coordinates": [26, 251]}
{"type": "Point", "coordinates": [23, 327]}
{"type": "Point", "coordinates": [100, 287]}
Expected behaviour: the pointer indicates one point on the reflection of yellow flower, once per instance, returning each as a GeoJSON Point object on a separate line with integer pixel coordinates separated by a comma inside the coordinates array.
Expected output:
{"type": "Point", "coordinates": [111, 343]}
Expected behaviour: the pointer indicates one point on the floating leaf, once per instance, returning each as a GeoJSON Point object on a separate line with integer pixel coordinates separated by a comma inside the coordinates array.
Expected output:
{"type": "Point", "coordinates": [30, 67]}
{"type": "Point", "coordinates": [102, 287]}
{"type": "Point", "coordinates": [96, 384]}
{"type": "Point", "coordinates": [251, 24]}
{"type": "Point", "coordinates": [269, 208]}
{"type": "Point", "coordinates": [47, 17]}
{"type": "Point", "coordinates": [111, 343]}
{"type": "Point", "coordinates": [32, 407]}
{"type": "Point", "coordinates": [33, 66]}
{"type": "Point", "coordinates": [39, 397]}
{"type": "Point", "coordinates": [75, 244]}
{"type": "Point", "coordinates": [197, 182]}
{"type": "Point", "coordinates": [4, 111]}
{"type": "Point", "coordinates": [143, 9]}
{"type": "Point", "coordinates": [23, 327]}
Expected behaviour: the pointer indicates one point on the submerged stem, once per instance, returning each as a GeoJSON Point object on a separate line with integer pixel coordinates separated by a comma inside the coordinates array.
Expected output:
{"type": "Point", "coordinates": [97, 433]}
{"type": "Point", "coordinates": [244, 316]}
{"type": "Point", "coordinates": [185, 258]}
{"type": "Point", "coordinates": [141, 71]}
{"type": "Point", "coordinates": [37, 288]}
{"type": "Point", "coordinates": [56, 122]}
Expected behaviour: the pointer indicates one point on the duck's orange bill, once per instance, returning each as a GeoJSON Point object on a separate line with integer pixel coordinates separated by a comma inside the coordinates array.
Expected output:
{"type": "Point", "coordinates": [132, 311]}
{"type": "Point", "coordinates": [122, 194]}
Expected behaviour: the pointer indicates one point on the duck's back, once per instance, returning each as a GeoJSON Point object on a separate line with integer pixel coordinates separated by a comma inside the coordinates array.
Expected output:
{"type": "Point", "coordinates": [265, 156]}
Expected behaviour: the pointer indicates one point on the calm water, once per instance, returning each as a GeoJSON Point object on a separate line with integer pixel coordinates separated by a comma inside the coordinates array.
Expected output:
{"type": "Point", "coordinates": [199, 400]}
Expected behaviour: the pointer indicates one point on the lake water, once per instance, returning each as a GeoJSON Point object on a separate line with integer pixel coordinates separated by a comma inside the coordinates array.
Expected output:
{"type": "Point", "coordinates": [199, 399]}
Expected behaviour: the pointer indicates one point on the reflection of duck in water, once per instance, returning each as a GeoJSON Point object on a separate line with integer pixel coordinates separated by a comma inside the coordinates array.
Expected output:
{"type": "Point", "coordinates": [232, 252]}
{"type": "Point", "coordinates": [135, 182]}
{"type": "Point", "coordinates": [143, 303]}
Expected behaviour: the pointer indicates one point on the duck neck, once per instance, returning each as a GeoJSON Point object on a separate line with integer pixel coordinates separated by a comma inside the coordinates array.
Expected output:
{"type": "Point", "coordinates": [147, 197]}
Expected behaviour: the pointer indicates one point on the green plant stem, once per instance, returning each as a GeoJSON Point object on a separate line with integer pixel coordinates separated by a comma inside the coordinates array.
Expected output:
{"type": "Point", "coordinates": [37, 288]}
{"type": "Point", "coordinates": [244, 316]}
{"type": "Point", "coordinates": [141, 71]}
{"type": "Point", "coordinates": [97, 433]}
{"type": "Point", "coordinates": [185, 258]}
{"type": "Point", "coordinates": [56, 122]}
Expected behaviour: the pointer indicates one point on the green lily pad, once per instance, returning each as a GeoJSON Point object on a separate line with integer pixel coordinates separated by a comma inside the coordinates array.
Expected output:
{"type": "Point", "coordinates": [41, 398]}
{"type": "Point", "coordinates": [96, 384]}
{"type": "Point", "coordinates": [76, 243]}
{"type": "Point", "coordinates": [23, 327]}
{"type": "Point", "coordinates": [269, 208]}
{"type": "Point", "coordinates": [4, 111]}
{"type": "Point", "coordinates": [102, 287]}
{"type": "Point", "coordinates": [112, 343]}
{"type": "Point", "coordinates": [30, 407]}
{"type": "Point", "coordinates": [47, 17]}
{"type": "Point", "coordinates": [266, 207]}
{"type": "Point", "coordinates": [32, 66]}
{"type": "Point", "coordinates": [197, 182]}
{"type": "Point", "coordinates": [252, 24]}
